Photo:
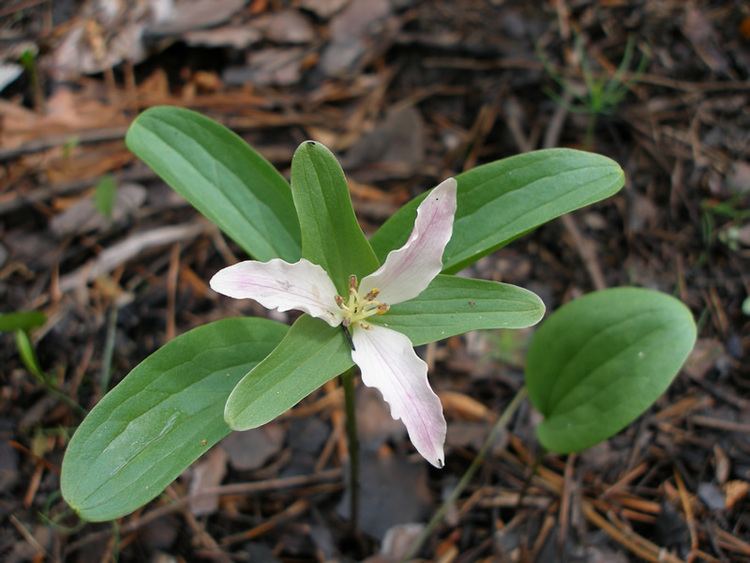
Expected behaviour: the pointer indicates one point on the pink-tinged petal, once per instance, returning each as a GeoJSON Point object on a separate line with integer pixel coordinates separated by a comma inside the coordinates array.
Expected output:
{"type": "Point", "coordinates": [388, 362]}
{"type": "Point", "coordinates": [407, 271]}
{"type": "Point", "coordinates": [276, 284]}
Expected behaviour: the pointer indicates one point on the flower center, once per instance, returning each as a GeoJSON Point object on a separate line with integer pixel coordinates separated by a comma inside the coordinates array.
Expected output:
{"type": "Point", "coordinates": [358, 307]}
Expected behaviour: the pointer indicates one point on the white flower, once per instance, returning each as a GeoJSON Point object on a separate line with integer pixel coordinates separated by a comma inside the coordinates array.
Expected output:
{"type": "Point", "coordinates": [385, 357]}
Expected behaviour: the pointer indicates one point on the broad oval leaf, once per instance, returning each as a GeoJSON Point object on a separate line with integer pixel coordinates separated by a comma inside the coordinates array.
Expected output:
{"type": "Point", "coordinates": [311, 353]}
{"type": "Point", "coordinates": [165, 414]}
{"type": "Point", "coordinates": [452, 305]}
{"type": "Point", "coordinates": [600, 361]}
{"type": "Point", "coordinates": [331, 236]}
{"type": "Point", "coordinates": [21, 320]}
{"type": "Point", "coordinates": [222, 177]}
{"type": "Point", "coordinates": [502, 200]}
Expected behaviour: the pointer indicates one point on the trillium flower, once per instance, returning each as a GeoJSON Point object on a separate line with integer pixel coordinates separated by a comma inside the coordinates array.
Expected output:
{"type": "Point", "coordinates": [386, 358]}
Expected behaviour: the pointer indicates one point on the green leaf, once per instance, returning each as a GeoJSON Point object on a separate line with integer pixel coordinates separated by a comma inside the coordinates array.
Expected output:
{"type": "Point", "coordinates": [222, 177]}
{"type": "Point", "coordinates": [452, 305]}
{"type": "Point", "coordinates": [331, 236]}
{"type": "Point", "coordinates": [28, 355]}
{"type": "Point", "coordinates": [104, 195]}
{"type": "Point", "coordinates": [21, 320]}
{"type": "Point", "coordinates": [165, 414]}
{"type": "Point", "coordinates": [600, 361]}
{"type": "Point", "coordinates": [311, 353]}
{"type": "Point", "coordinates": [500, 201]}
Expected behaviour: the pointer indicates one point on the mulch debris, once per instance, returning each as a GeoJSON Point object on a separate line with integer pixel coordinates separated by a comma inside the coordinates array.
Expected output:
{"type": "Point", "coordinates": [407, 92]}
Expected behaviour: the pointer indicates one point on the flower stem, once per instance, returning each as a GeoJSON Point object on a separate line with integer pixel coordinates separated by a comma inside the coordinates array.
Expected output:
{"type": "Point", "coordinates": [499, 426]}
{"type": "Point", "coordinates": [347, 380]}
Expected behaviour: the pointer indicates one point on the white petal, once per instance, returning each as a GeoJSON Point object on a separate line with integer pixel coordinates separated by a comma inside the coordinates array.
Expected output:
{"type": "Point", "coordinates": [407, 271]}
{"type": "Point", "coordinates": [388, 362]}
{"type": "Point", "coordinates": [280, 285]}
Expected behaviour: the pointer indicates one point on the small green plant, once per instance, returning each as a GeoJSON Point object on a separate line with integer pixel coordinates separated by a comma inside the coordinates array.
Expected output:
{"type": "Point", "coordinates": [105, 194]}
{"type": "Point", "coordinates": [732, 212]}
{"type": "Point", "coordinates": [363, 302]}
{"type": "Point", "coordinates": [20, 324]}
{"type": "Point", "coordinates": [597, 95]}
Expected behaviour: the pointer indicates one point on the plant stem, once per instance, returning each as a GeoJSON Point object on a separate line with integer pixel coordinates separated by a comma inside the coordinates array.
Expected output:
{"type": "Point", "coordinates": [499, 426]}
{"type": "Point", "coordinates": [347, 380]}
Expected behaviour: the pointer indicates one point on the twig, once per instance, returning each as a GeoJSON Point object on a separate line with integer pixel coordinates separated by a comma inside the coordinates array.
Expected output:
{"type": "Point", "coordinates": [28, 536]}
{"type": "Point", "coordinates": [223, 490]}
{"type": "Point", "coordinates": [499, 426]}
{"type": "Point", "coordinates": [720, 424]}
{"type": "Point", "coordinates": [565, 501]}
{"type": "Point", "coordinates": [127, 249]}
{"type": "Point", "coordinates": [297, 508]}
{"type": "Point", "coordinates": [200, 531]}
{"type": "Point", "coordinates": [639, 545]}
{"type": "Point", "coordinates": [689, 516]}
{"type": "Point", "coordinates": [83, 137]}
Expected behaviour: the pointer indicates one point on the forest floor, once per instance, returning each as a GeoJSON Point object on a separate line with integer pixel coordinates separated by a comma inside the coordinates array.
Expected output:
{"type": "Point", "coordinates": [407, 92]}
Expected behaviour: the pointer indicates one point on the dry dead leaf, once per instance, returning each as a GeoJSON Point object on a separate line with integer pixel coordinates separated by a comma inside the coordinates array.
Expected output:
{"type": "Point", "coordinates": [394, 149]}
{"type": "Point", "coordinates": [188, 15]}
{"type": "Point", "coordinates": [66, 113]}
{"type": "Point", "coordinates": [735, 491]}
{"type": "Point", "coordinates": [350, 30]}
{"type": "Point", "coordinates": [699, 30]}
{"type": "Point", "coordinates": [83, 216]}
{"type": "Point", "coordinates": [207, 473]}
{"type": "Point", "coordinates": [704, 357]}
{"type": "Point", "coordinates": [251, 449]}
{"type": "Point", "coordinates": [324, 9]}
{"type": "Point", "coordinates": [237, 36]}
{"type": "Point", "coordinates": [279, 67]}
{"type": "Point", "coordinates": [288, 26]}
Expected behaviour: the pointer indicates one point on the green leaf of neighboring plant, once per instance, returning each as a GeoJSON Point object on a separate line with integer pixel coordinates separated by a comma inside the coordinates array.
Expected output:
{"type": "Point", "coordinates": [28, 355]}
{"type": "Point", "coordinates": [331, 236]}
{"type": "Point", "coordinates": [21, 320]}
{"type": "Point", "coordinates": [452, 305]}
{"type": "Point", "coordinates": [105, 194]}
{"type": "Point", "coordinates": [166, 413]}
{"type": "Point", "coordinates": [502, 200]}
{"type": "Point", "coordinates": [311, 353]}
{"type": "Point", "coordinates": [222, 177]}
{"type": "Point", "coordinates": [599, 362]}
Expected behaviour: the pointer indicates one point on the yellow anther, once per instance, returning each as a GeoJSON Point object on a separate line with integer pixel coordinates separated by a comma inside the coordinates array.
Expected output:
{"type": "Point", "coordinates": [372, 294]}
{"type": "Point", "coordinates": [353, 282]}
{"type": "Point", "coordinates": [339, 300]}
{"type": "Point", "coordinates": [383, 308]}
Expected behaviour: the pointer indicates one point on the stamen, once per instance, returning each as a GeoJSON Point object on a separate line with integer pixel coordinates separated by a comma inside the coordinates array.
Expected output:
{"type": "Point", "coordinates": [357, 308]}
{"type": "Point", "coordinates": [372, 294]}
